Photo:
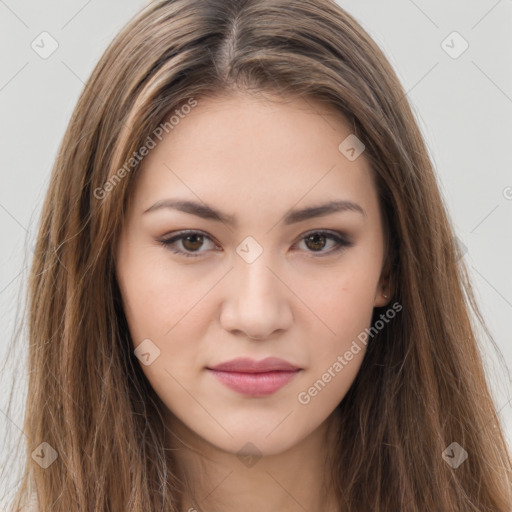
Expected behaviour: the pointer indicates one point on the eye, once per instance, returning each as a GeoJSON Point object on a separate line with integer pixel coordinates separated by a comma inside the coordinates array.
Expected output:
{"type": "Point", "coordinates": [192, 241]}
{"type": "Point", "coordinates": [316, 241]}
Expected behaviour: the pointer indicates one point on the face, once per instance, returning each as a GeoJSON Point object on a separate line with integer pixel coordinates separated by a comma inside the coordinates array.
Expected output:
{"type": "Point", "coordinates": [256, 278]}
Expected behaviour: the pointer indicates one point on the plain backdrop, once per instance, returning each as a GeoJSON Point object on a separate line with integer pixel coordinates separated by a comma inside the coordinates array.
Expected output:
{"type": "Point", "coordinates": [453, 58]}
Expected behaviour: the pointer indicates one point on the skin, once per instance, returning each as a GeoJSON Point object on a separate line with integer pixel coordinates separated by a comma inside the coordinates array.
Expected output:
{"type": "Point", "coordinates": [254, 159]}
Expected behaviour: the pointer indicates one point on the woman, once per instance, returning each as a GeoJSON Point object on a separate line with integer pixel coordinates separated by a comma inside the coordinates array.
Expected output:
{"type": "Point", "coordinates": [246, 291]}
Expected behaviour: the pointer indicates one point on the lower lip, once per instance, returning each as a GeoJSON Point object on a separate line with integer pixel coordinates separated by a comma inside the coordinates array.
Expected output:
{"type": "Point", "coordinates": [255, 384]}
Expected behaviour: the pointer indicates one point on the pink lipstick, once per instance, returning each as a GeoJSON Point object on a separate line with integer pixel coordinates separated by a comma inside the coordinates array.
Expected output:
{"type": "Point", "coordinates": [255, 378]}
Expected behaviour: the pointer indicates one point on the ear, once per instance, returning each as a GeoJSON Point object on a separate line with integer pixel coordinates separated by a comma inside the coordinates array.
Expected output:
{"type": "Point", "coordinates": [380, 300]}
{"type": "Point", "coordinates": [384, 287]}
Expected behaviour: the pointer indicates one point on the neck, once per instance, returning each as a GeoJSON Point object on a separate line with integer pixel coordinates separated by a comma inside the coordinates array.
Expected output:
{"type": "Point", "coordinates": [220, 481]}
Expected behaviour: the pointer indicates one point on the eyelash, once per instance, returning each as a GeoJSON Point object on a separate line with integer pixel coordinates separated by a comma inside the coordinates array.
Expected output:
{"type": "Point", "coordinates": [339, 238]}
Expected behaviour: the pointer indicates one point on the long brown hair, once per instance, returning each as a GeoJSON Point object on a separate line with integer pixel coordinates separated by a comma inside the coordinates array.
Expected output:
{"type": "Point", "coordinates": [87, 395]}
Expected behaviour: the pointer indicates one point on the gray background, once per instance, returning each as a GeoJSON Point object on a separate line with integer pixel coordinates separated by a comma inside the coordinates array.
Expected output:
{"type": "Point", "coordinates": [463, 105]}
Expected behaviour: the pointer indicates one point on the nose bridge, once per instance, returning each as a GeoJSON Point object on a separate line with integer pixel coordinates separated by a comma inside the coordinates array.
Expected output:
{"type": "Point", "coordinates": [257, 282]}
{"type": "Point", "coordinates": [255, 298]}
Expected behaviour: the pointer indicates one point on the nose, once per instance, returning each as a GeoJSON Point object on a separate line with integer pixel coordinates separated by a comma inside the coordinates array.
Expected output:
{"type": "Point", "coordinates": [257, 302]}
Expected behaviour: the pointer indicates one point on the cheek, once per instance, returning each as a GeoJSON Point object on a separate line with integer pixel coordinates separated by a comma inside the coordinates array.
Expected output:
{"type": "Point", "coordinates": [347, 317]}
{"type": "Point", "coordinates": [159, 308]}
{"type": "Point", "coordinates": [156, 296]}
{"type": "Point", "coordinates": [164, 307]}
{"type": "Point", "coordinates": [336, 353]}
{"type": "Point", "coordinates": [342, 297]}
{"type": "Point", "coordinates": [343, 307]}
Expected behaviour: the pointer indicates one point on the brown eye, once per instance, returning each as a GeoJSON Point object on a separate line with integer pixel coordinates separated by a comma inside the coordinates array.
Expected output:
{"type": "Point", "coordinates": [316, 241]}
{"type": "Point", "coordinates": [192, 242]}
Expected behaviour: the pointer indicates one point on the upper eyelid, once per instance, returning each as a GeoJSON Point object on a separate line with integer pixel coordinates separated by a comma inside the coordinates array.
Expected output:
{"type": "Point", "coordinates": [179, 234]}
{"type": "Point", "coordinates": [342, 237]}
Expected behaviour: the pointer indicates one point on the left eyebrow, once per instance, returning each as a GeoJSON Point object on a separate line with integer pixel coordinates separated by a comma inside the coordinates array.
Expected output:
{"type": "Point", "coordinates": [321, 210]}
{"type": "Point", "coordinates": [294, 216]}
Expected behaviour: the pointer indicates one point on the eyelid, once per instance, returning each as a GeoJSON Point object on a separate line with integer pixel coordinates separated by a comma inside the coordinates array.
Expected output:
{"type": "Point", "coordinates": [342, 239]}
{"type": "Point", "coordinates": [173, 237]}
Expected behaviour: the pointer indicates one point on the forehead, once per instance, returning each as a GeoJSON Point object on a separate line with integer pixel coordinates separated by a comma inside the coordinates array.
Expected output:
{"type": "Point", "coordinates": [247, 150]}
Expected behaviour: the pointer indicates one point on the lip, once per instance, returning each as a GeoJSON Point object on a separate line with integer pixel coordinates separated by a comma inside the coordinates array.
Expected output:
{"type": "Point", "coordinates": [247, 365]}
{"type": "Point", "coordinates": [255, 378]}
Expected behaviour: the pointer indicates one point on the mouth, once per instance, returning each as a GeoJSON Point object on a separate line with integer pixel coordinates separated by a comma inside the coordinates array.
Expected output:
{"type": "Point", "coordinates": [255, 378]}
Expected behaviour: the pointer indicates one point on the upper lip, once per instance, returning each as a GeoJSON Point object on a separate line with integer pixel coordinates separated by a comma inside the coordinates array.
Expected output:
{"type": "Point", "coordinates": [247, 365]}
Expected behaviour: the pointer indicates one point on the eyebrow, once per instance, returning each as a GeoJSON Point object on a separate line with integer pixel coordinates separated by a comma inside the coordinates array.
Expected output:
{"type": "Point", "coordinates": [205, 211]}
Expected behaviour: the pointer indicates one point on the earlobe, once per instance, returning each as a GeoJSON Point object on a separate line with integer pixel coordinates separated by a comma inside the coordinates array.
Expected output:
{"type": "Point", "coordinates": [384, 289]}
{"type": "Point", "coordinates": [381, 300]}
{"type": "Point", "coordinates": [386, 286]}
